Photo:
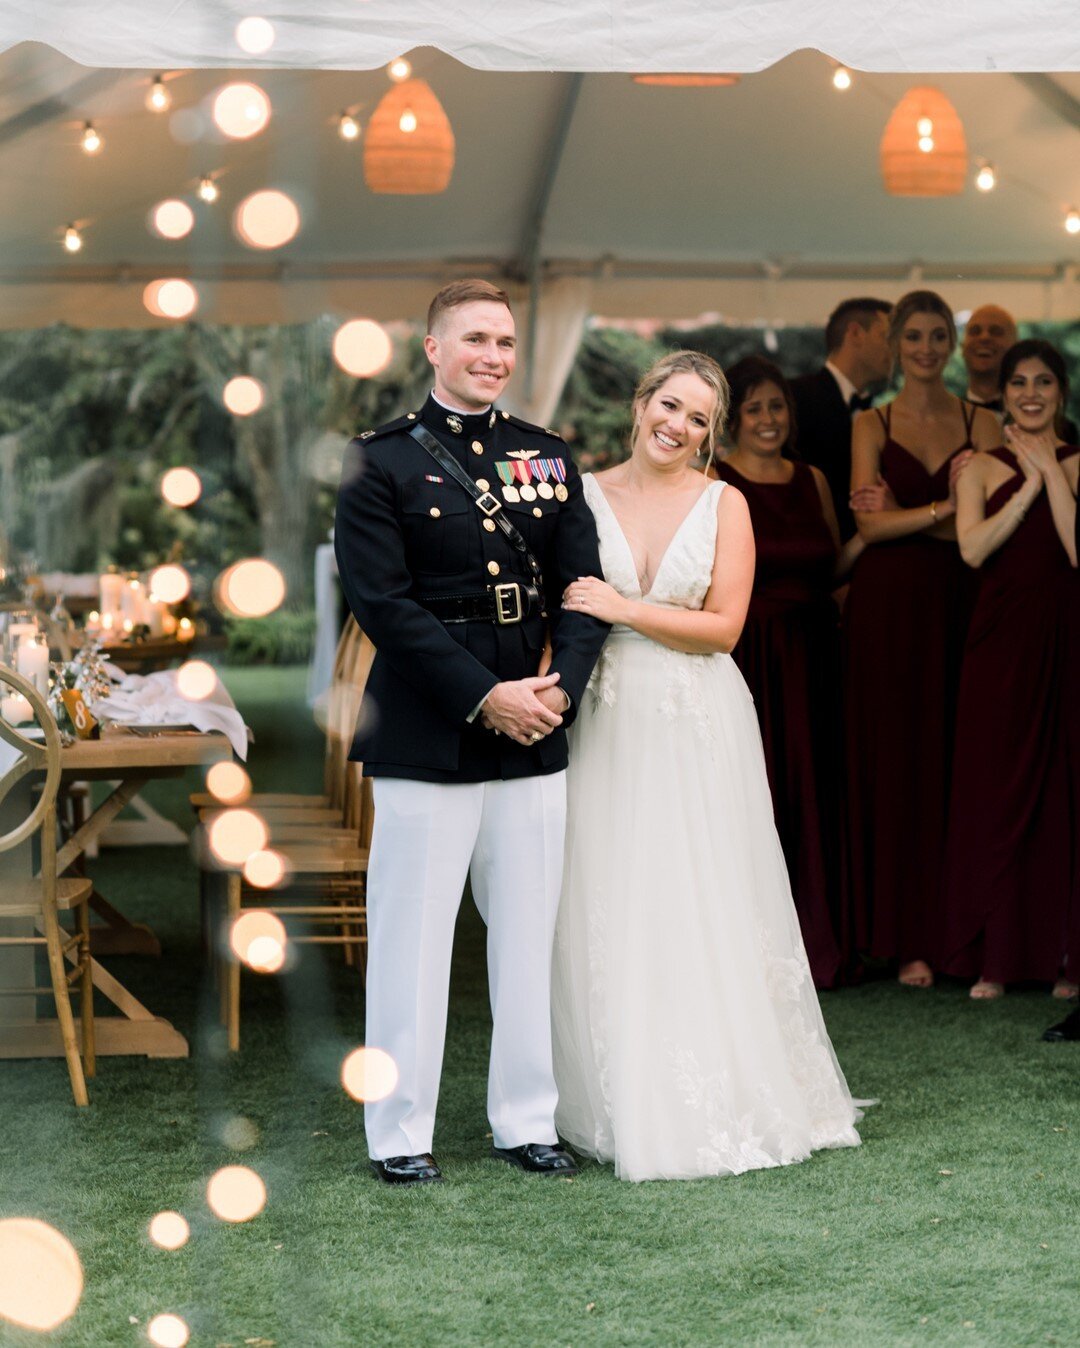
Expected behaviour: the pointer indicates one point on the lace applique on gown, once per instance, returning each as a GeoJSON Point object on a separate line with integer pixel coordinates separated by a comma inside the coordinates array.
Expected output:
{"type": "Point", "coordinates": [687, 1032]}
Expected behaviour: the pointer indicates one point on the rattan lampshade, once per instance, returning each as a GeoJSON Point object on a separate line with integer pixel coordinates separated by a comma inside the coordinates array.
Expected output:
{"type": "Point", "coordinates": [684, 81]}
{"type": "Point", "coordinates": [408, 162]}
{"type": "Point", "coordinates": [924, 117]}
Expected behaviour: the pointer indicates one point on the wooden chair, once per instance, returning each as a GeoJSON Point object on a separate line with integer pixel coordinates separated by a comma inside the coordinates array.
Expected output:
{"type": "Point", "coordinates": [323, 901]}
{"type": "Point", "coordinates": [42, 898]}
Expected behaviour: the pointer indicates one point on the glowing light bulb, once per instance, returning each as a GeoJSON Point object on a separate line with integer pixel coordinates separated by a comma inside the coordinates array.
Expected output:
{"type": "Point", "coordinates": [841, 78]}
{"type": "Point", "coordinates": [1072, 221]}
{"type": "Point", "coordinates": [241, 110]}
{"type": "Point", "coordinates": [91, 139]}
{"type": "Point", "coordinates": [399, 70]}
{"type": "Point", "coordinates": [924, 126]}
{"type": "Point", "coordinates": [926, 144]}
{"type": "Point", "coordinates": [986, 178]}
{"type": "Point", "coordinates": [407, 122]}
{"type": "Point", "coordinates": [255, 35]}
{"type": "Point", "coordinates": [181, 487]}
{"type": "Point", "coordinates": [73, 240]}
{"type": "Point", "coordinates": [348, 127]}
{"type": "Point", "coordinates": [158, 99]}
{"type": "Point", "coordinates": [208, 190]}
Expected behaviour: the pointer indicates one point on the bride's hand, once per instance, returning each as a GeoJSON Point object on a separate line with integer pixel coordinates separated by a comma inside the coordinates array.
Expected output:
{"type": "Point", "coordinates": [596, 598]}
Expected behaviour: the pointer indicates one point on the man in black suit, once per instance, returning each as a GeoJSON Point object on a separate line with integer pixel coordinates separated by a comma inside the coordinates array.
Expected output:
{"type": "Point", "coordinates": [464, 739]}
{"type": "Point", "coordinates": [857, 342]}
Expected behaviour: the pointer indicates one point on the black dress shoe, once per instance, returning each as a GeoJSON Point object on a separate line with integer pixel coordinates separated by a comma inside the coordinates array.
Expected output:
{"type": "Point", "coordinates": [1069, 1028]}
{"type": "Point", "coordinates": [408, 1169]}
{"type": "Point", "coordinates": [538, 1158]}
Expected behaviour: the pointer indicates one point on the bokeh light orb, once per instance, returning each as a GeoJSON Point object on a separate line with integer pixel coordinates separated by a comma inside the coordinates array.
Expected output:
{"type": "Point", "coordinates": [266, 869]}
{"type": "Point", "coordinates": [258, 940]}
{"type": "Point", "coordinates": [172, 219]}
{"type": "Point", "coordinates": [243, 395]}
{"type": "Point", "coordinates": [181, 487]}
{"type": "Point", "coordinates": [171, 297]}
{"type": "Point", "coordinates": [241, 110]}
{"type": "Point", "coordinates": [369, 1074]}
{"type": "Point", "coordinates": [170, 583]}
{"type": "Point", "coordinates": [255, 35]}
{"type": "Point", "coordinates": [251, 589]}
{"type": "Point", "coordinates": [235, 834]}
{"type": "Point", "coordinates": [168, 1331]}
{"type": "Point", "coordinates": [196, 680]}
{"type": "Point", "coordinates": [41, 1278]}
{"type": "Point", "coordinates": [267, 219]}
{"type": "Point", "coordinates": [229, 783]}
{"type": "Point", "coordinates": [169, 1230]}
{"type": "Point", "coordinates": [236, 1194]}
{"type": "Point", "coordinates": [362, 347]}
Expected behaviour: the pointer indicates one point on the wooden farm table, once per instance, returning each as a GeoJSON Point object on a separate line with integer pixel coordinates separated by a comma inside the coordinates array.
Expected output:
{"type": "Point", "coordinates": [129, 761]}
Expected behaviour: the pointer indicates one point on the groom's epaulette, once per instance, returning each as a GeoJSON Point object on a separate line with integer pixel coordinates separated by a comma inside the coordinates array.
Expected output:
{"type": "Point", "coordinates": [399, 424]}
{"type": "Point", "coordinates": [523, 425]}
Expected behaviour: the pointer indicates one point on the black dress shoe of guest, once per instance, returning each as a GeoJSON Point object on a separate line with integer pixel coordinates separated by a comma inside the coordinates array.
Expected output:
{"type": "Point", "coordinates": [408, 1169]}
{"type": "Point", "coordinates": [1069, 1028]}
{"type": "Point", "coordinates": [538, 1158]}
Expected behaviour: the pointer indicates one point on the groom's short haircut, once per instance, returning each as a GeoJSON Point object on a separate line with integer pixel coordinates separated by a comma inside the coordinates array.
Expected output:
{"type": "Point", "coordinates": [463, 292]}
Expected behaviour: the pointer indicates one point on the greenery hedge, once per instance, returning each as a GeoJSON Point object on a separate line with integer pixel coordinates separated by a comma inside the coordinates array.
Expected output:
{"type": "Point", "coordinates": [282, 638]}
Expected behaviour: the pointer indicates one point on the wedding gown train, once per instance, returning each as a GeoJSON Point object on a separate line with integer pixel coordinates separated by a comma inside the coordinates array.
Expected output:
{"type": "Point", "coordinates": [688, 1038]}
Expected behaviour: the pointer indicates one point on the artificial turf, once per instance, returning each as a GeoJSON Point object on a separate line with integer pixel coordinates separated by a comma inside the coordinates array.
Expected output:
{"type": "Point", "coordinates": [956, 1221]}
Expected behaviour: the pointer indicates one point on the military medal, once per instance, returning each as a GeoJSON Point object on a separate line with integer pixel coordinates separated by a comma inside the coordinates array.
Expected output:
{"type": "Point", "coordinates": [561, 494]}
{"type": "Point", "coordinates": [541, 469]}
{"type": "Point", "coordinates": [528, 492]}
{"type": "Point", "coordinates": [510, 493]}
{"type": "Point", "coordinates": [455, 424]}
{"type": "Point", "coordinates": [558, 471]}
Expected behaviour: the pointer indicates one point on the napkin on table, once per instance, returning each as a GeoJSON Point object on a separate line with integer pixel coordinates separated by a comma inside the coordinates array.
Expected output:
{"type": "Point", "coordinates": [154, 699]}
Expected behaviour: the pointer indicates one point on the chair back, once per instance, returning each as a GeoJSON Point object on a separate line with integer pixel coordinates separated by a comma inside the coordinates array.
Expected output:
{"type": "Point", "coordinates": [30, 756]}
{"type": "Point", "coordinates": [355, 655]}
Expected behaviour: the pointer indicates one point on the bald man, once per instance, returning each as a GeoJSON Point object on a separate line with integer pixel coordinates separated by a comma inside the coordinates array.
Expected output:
{"type": "Point", "coordinates": [990, 332]}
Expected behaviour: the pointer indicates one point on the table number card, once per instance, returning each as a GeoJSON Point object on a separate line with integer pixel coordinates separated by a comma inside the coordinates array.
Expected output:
{"type": "Point", "coordinates": [86, 727]}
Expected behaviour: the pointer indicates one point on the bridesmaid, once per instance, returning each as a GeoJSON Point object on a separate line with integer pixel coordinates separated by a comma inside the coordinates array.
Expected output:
{"type": "Point", "coordinates": [903, 635]}
{"type": "Point", "coordinates": [789, 651]}
{"type": "Point", "coordinates": [1012, 907]}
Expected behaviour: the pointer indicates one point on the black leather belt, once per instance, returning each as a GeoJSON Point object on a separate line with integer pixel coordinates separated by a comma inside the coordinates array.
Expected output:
{"type": "Point", "coordinates": [503, 604]}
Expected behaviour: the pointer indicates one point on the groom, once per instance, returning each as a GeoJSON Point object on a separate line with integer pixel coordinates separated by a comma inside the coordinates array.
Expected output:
{"type": "Point", "coordinates": [457, 583]}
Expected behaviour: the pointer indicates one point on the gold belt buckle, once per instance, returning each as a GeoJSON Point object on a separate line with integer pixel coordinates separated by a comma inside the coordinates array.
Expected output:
{"type": "Point", "coordinates": [508, 608]}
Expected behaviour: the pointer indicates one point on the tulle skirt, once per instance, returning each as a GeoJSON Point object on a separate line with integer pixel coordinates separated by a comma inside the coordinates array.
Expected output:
{"type": "Point", "coordinates": [688, 1038]}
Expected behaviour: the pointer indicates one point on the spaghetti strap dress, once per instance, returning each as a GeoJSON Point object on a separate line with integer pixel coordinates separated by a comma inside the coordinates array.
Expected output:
{"type": "Point", "coordinates": [789, 655]}
{"type": "Point", "coordinates": [1011, 873]}
{"type": "Point", "coordinates": [903, 632]}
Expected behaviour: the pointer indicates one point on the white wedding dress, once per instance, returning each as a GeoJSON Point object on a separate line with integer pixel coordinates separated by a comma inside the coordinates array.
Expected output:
{"type": "Point", "coordinates": [687, 1034]}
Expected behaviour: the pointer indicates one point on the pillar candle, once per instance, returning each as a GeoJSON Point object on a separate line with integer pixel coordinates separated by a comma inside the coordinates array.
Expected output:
{"type": "Point", "coordinates": [32, 662]}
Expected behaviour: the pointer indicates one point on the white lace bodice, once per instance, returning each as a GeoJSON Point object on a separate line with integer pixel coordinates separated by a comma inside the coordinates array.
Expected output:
{"type": "Point", "coordinates": [685, 572]}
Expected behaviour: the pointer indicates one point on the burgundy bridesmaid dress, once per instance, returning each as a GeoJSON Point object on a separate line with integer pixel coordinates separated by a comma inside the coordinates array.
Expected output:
{"type": "Point", "coordinates": [1012, 873]}
{"type": "Point", "coordinates": [789, 654]}
{"type": "Point", "coordinates": [903, 633]}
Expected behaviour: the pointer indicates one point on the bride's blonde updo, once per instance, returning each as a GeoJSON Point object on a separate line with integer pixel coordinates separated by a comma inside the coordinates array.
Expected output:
{"type": "Point", "coordinates": [687, 362]}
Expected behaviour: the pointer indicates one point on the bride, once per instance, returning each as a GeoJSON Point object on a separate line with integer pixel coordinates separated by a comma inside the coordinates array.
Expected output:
{"type": "Point", "coordinates": [687, 1034]}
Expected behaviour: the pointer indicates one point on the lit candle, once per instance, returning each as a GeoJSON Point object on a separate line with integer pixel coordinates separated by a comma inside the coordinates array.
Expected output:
{"type": "Point", "coordinates": [111, 585]}
{"type": "Point", "coordinates": [185, 630]}
{"type": "Point", "coordinates": [93, 623]}
{"type": "Point", "coordinates": [168, 623]}
{"type": "Point", "coordinates": [32, 662]}
{"type": "Point", "coordinates": [133, 603]}
{"type": "Point", "coordinates": [15, 708]}
{"type": "Point", "coordinates": [155, 616]}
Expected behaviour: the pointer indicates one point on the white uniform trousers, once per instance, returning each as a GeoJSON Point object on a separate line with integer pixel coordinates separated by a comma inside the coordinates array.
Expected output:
{"type": "Point", "coordinates": [507, 836]}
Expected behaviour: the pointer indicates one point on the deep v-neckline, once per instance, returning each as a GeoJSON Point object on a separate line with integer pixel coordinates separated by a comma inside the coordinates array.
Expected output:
{"type": "Point", "coordinates": [644, 594]}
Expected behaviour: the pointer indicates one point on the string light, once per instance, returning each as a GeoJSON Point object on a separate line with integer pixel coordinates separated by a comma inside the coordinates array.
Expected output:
{"type": "Point", "coordinates": [407, 122]}
{"type": "Point", "coordinates": [1072, 221]}
{"type": "Point", "coordinates": [91, 139]}
{"type": "Point", "coordinates": [348, 127]}
{"type": "Point", "coordinates": [399, 70]}
{"type": "Point", "coordinates": [73, 240]}
{"type": "Point", "coordinates": [925, 126]}
{"type": "Point", "coordinates": [158, 99]}
{"type": "Point", "coordinates": [208, 190]}
{"type": "Point", "coordinates": [986, 178]}
{"type": "Point", "coordinates": [841, 78]}
{"type": "Point", "coordinates": [926, 144]}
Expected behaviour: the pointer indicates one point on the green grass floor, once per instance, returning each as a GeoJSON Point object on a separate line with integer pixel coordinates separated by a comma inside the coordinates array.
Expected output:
{"type": "Point", "coordinates": [956, 1221]}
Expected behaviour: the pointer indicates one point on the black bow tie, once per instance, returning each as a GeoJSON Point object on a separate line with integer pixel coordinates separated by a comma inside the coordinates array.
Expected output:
{"type": "Point", "coordinates": [859, 402]}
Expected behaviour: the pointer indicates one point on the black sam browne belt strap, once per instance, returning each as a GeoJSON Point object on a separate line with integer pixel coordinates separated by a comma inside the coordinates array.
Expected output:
{"type": "Point", "coordinates": [486, 502]}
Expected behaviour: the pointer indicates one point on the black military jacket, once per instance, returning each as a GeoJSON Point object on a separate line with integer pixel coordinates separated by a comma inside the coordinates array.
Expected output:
{"type": "Point", "coordinates": [406, 529]}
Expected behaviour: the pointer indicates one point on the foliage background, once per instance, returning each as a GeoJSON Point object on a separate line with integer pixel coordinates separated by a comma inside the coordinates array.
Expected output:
{"type": "Point", "coordinates": [90, 419]}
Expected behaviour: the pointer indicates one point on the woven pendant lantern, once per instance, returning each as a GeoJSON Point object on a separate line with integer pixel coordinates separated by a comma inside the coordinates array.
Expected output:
{"type": "Point", "coordinates": [683, 81]}
{"type": "Point", "coordinates": [408, 143]}
{"type": "Point", "coordinates": [923, 149]}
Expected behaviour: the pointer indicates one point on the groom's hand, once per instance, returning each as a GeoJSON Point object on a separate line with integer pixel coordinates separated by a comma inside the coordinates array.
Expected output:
{"type": "Point", "coordinates": [514, 708]}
